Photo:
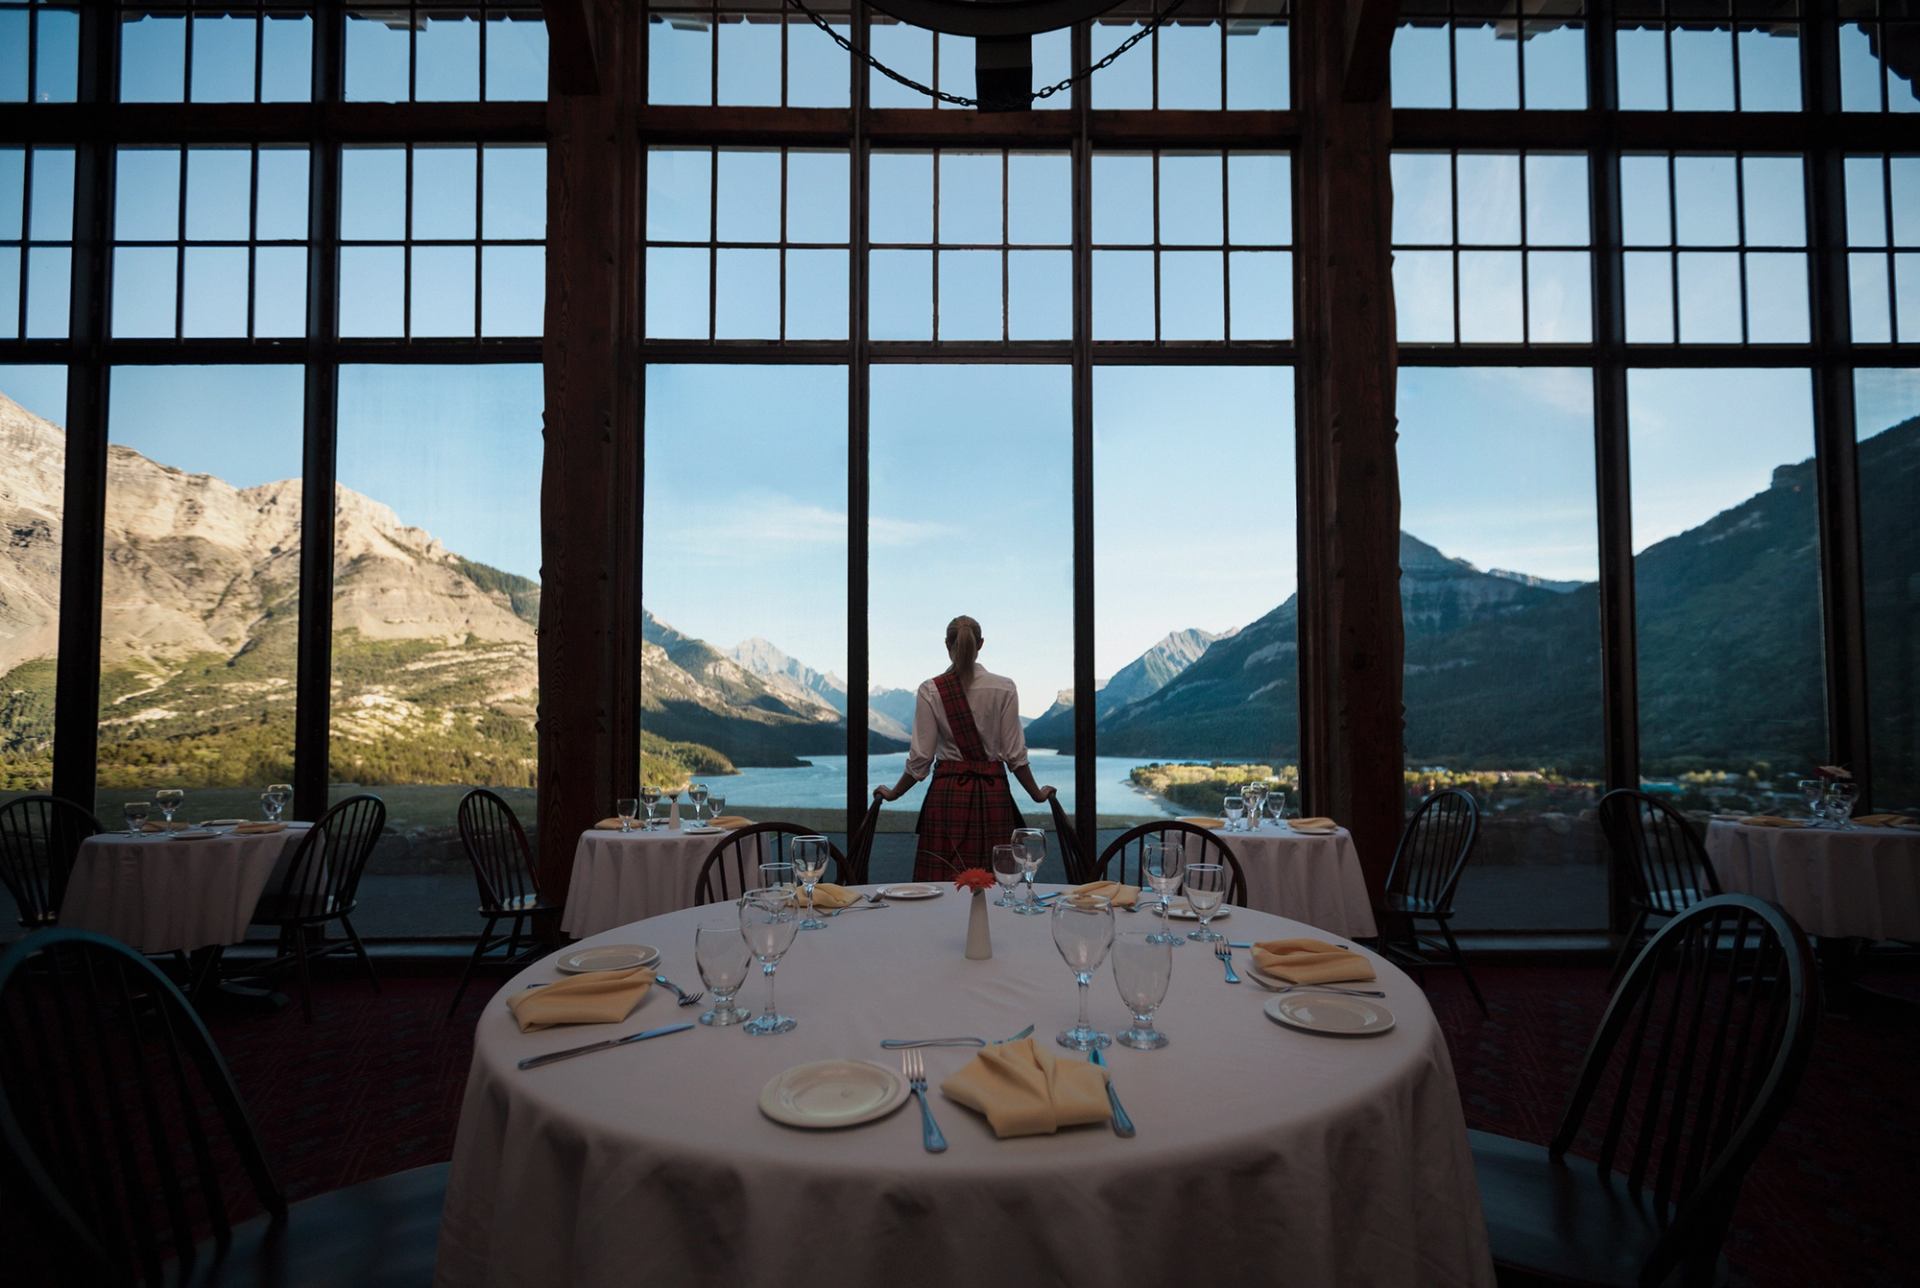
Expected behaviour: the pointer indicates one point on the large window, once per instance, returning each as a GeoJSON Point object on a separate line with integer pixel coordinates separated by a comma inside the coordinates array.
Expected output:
{"type": "Point", "coordinates": [1887, 421]}
{"type": "Point", "coordinates": [1473, 54]}
{"type": "Point", "coordinates": [36, 242]}
{"type": "Point", "coordinates": [1709, 57]}
{"type": "Point", "coordinates": [232, 53]}
{"type": "Point", "coordinates": [33, 407]}
{"type": "Point", "coordinates": [1883, 243]}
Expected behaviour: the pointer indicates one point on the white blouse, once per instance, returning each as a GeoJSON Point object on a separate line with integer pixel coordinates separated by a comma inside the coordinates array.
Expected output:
{"type": "Point", "coordinates": [996, 714]}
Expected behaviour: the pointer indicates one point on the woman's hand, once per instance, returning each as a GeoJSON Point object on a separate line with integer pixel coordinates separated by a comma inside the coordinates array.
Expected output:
{"type": "Point", "coordinates": [885, 794]}
{"type": "Point", "coordinates": [1045, 794]}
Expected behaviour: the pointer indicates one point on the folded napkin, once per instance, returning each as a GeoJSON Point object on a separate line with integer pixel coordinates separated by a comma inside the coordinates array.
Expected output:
{"type": "Point", "coordinates": [1309, 961]}
{"type": "Point", "coordinates": [827, 895]}
{"type": "Point", "coordinates": [152, 825]}
{"type": "Point", "coordinates": [1118, 895]}
{"type": "Point", "coordinates": [1883, 820]}
{"type": "Point", "coordinates": [258, 829]}
{"type": "Point", "coordinates": [602, 997]}
{"type": "Point", "coordinates": [1769, 820]}
{"type": "Point", "coordinates": [1209, 823]}
{"type": "Point", "coordinates": [613, 824]}
{"type": "Point", "coordinates": [223, 822]}
{"type": "Point", "coordinates": [1313, 826]}
{"type": "Point", "coordinates": [1025, 1091]}
{"type": "Point", "coordinates": [730, 821]}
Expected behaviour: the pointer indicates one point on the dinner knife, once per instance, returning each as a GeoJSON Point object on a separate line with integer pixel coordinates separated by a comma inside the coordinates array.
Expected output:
{"type": "Point", "coordinates": [535, 1061]}
{"type": "Point", "coordinates": [1122, 1125]}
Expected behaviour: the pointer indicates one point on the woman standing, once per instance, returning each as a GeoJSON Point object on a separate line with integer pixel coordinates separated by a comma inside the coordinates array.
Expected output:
{"type": "Point", "coordinates": [966, 729]}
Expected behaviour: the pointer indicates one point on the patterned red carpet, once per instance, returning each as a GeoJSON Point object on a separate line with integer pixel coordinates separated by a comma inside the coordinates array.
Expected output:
{"type": "Point", "coordinates": [374, 1087]}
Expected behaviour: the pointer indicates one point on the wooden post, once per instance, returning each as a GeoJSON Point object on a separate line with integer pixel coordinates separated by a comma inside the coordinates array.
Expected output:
{"type": "Point", "coordinates": [1352, 644]}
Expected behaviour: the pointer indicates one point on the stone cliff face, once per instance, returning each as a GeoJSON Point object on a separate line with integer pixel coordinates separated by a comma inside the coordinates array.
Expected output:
{"type": "Point", "coordinates": [34, 458]}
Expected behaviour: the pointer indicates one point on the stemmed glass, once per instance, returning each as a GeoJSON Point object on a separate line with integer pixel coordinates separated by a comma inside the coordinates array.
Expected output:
{"type": "Point", "coordinates": [650, 798]}
{"type": "Point", "coordinates": [1235, 808]}
{"type": "Point", "coordinates": [1032, 843]}
{"type": "Point", "coordinates": [136, 815]}
{"type": "Point", "coordinates": [721, 953]}
{"type": "Point", "coordinates": [777, 877]}
{"type": "Point", "coordinates": [270, 806]}
{"type": "Point", "coordinates": [1814, 792]}
{"type": "Point", "coordinates": [809, 864]}
{"type": "Point", "coordinates": [281, 793]}
{"type": "Point", "coordinates": [1162, 859]}
{"type": "Point", "coordinates": [698, 795]}
{"type": "Point", "coordinates": [169, 800]}
{"type": "Point", "coordinates": [1277, 807]}
{"type": "Point", "coordinates": [1841, 796]}
{"type": "Point", "coordinates": [1142, 968]}
{"type": "Point", "coordinates": [1009, 865]}
{"type": "Point", "coordinates": [626, 807]}
{"type": "Point", "coordinates": [716, 806]}
{"type": "Point", "coordinates": [1255, 795]}
{"type": "Point", "coordinates": [768, 926]}
{"type": "Point", "coordinates": [1206, 885]}
{"type": "Point", "coordinates": [1083, 931]}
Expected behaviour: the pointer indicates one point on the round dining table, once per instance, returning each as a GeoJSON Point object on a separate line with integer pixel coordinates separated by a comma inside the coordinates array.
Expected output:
{"type": "Point", "coordinates": [620, 877]}
{"type": "Point", "coordinates": [1310, 876]}
{"type": "Point", "coordinates": [1262, 1154]}
{"type": "Point", "coordinates": [1838, 883]}
{"type": "Point", "coordinates": [165, 892]}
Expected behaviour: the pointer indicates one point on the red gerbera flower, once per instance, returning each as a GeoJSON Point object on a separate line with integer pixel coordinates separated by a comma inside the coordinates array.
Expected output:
{"type": "Point", "coordinates": [974, 879]}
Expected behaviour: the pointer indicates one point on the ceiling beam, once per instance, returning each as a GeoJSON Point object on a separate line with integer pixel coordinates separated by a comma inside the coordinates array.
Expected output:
{"type": "Point", "coordinates": [573, 46]}
{"type": "Point", "coordinates": [1369, 28]}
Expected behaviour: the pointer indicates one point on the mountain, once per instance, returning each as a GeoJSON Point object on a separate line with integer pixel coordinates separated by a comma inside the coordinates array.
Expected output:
{"type": "Point", "coordinates": [802, 682]}
{"type": "Point", "coordinates": [1141, 678]}
{"type": "Point", "coordinates": [895, 704]}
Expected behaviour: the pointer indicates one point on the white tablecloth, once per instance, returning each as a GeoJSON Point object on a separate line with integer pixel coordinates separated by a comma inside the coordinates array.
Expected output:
{"type": "Point", "coordinates": [1315, 879]}
{"type": "Point", "coordinates": [1863, 881]}
{"type": "Point", "coordinates": [161, 895]}
{"type": "Point", "coordinates": [620, 877]}
{"type": "Point", "coordinates": [1264, 1155]}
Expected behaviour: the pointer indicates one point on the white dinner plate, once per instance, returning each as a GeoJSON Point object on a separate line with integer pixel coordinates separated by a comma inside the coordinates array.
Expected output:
{"type": "Point", "coordinates": [1335, 1014]}
{"type": "Point", "coordinates": [701, 830]}
{"type": "Point", "coordinates": [912, 890]}
{"type": "Point", "coordinates": [192, 834]}
{"type": "Point", "coordinates": [1179, 911]}
{"type": "Point", "coordinates": [608, 957]}
{"type": "Point", "coordinates": [833, 1093]}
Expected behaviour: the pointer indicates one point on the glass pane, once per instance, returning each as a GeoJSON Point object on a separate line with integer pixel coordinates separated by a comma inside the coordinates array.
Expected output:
{"type": "Point", "coordinates": [446, 57]}
{"type": "Point", "coordinates": [223, 49]}
{"type": "Point", "coordinates": [1259, 199]}
{"type": "Point", "coordinates": [816, 67]}
{"type": "Point", "coordinates": [907, 50]}
{"type": "Point", "coordinates": [1709, 298]}
{"type": "Point", "coordinates": [1866, 202]}
{"type": "Point", "coordinates": [750, 570]}
{"type": "Point", "coordinates": [1887, 420]}
{"type": "Point", "coordinates": [900, 295]}
{"type": "Point", "coordinates": [1123, 304]}
{"type": "Point", "coordinates": [516, 56]}
{"type": "Point", "coordinates": [373, 193]}
{"type": "Point", "coordinates": [218, 185]}
{"type": "Point", "coordinates": [1499, 556]}
{"type": "Point", "coordinates": [970, 209]}
{"type": "Point", "coordinates": [1490, 297]}
{"type": "Point", "coordinates": [280, 291]}
{"type": "Point", "coordinates": [442, 291]}
{"type": "Point", "coordinates": [1702, 69]}
{"type": "Point", "coordinates": [13, 190]}
{"type": "Point", "coordinates": [1769, 70]}
{"type": "Point", "coordinates": [286, 59]}
{"type": "Point", "coordinates": [1421, 64]}
{"type": "Point", "coordinates": [816, 295]}
{"type": "Point", "coordinates": [33, 411]}
{"type": "Point", "coordinates": [57, 62]}
{"type": "Point", "coordinates": [147, 194]}
{"type": "Point", "coordinates": [747, 295]}
{"type": "Point", "coordinates": [1128, 82]}
{"type": "Point", "coordinates": [51, 218]}
{"type": "Point", "coordinates": [1489, 198]}
{"type": "Point", "coordinates": [153, 59]}
{"type": "Point", "coordinates": [677, 294]}
{"type": "Point", "coordinates": [1486, 67]}
{"type": "Point", "coordinates": [1649, 289]}
{"type": "Point", "coordinates": [1777, 299]}
{"type": "Point", "coordinates": [1867, 286]}
{"type": "Point", "coordinates": [1642, 57]}
{"type": "Point", "coordinates": [1554, 60]}
{"type": "Point", "coordinates": [1726, 546]}
{"type": "Point", "coordinates": [749, 196]}
{"type": "Point", "coordinates": [445, 204]}
{"type": "Point", "coordinates": [513, 203]}
{"type": "Point", "coordinates": [1559, 297]}
{"type": "Point", "coordinates": [1905, 175]}
{"type": "Point", "coordinates": [1039, 199]}
{"type": "Point", "coordinates": [377, 56]}
{"type": "Point", "coordinates": [925, 569]}
{"type": "Point", "coordinates": [282, 213]}
{"type": "Point", "coordinates": [1122, 200]}
{"type": "Point", "coordinates": [513, 289]}
{"type": "Point", "coordinates": [1261, 299]}
{"type": "Point", "coordinates": [679, 60]}
{"type": "Point", "coordinates": [1189, 69]}
{"type": "Point", "coordinates": [900, 197]}
{"type": "Point", "coordinates": [372, 291]}
{"type": "Point", "coordinates": [49, 291]}
{"type": "Point", "coordinates": [201, 597]}
{"type": "Point", "coordinates": [1646, 214]}
{"type": "Point", "coordinates": [1422, 199]}
{"type": "Point", "coordinates": [817, 196]}
{"type": "Point", "coordinates": [679, 194]}
{"type": "Point", "coordinates": [12, 266]}
{"type": "Point", "coordinates": [215, 303]}
{"type": "Point", "coordinates": [1423, 296]}
{"type": "Point", "coordinates": [1175, 650]}
{"type": "Point", "coordinates": [1257, 62]}
{"type": "Point", "coordinates": [750, 63]}
{"type": "Point", "coordinates": [1706, 210]}
{"type": "Point", "coordinates": [1192, 189]}
{"type": "Point", "coordinates": [969, 295]}
{"type": "Point", "coordinates": [1557, 205]}
{"type": "Point", "coordinates": [144, 281]}
{"type": "Point", "coordinates": [1192, 295]}
{"type": "Point", "coordinates": [15, 41]}
{"type": "Point", "coordinates": [1039, 295]}
{"type": "Point", "coordinates": [1859, 71]}
{"type": "Point", "coordinates": [436, 599]}
{"type": "Point", "coordinates": [1775, 208]}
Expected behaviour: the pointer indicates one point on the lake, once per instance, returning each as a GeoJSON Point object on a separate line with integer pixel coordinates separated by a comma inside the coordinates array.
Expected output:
{"type": "Point", "coordinates": [822, 784]}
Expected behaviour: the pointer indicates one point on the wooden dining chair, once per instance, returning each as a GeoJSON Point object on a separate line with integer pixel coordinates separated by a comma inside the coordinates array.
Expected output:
{"type": "Point", "coordinates": [39, 838]}
{"type": "Point", "coordinates": [740, 854]}
{"type": "Point", "coordinates": [1661, 858]}
{"type": "Point", "coordinates": [1201, 845]}
{"type": "Point", "coordinates": [1692, 1067]}
{"type": "Point", "coordinates": [502, 863]}
{"type": "Point", "coordinates": [1079, 868]}
{"type": "Point", "coordinates": [1433, 852]}
{"type": "Point", "coordinates": [859, 865]}
{"type": "Point", "coordinates": [320, 883]}
{"type": "Point", "coordinates": [134, 1151]}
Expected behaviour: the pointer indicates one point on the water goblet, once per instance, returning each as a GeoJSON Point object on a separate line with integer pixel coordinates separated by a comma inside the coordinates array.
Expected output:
{"type": "Point", "coordinates": [270, 806]}
{"type": "Point", "coordinates": [1814, 792]}
{"type": "Point", "coordinates": [626, 807]}
{"type": "Point", "coordinates": [721, 953]}
{"type": "Point", "coordinates": [1083, 931]}
{"type": "Point", "coordinates": [136, 815]}
{"type": "Point", "coordinates": [778, 877]}
{"type": "Point", "coordinates": [698, 795]}
{"type": "Point", "coordinates": [650, 798]}
{"type": "Point", "coordinates": [281, 792]}
{"type": "Point", "coordinates": [1255, 794]}
{"type": "Point", "coordinates": [1841, 797]}
{"type": "Point", "coordinates": [1009, 865]}
{"type": "Point", "coordinates": [810, 864]}
{"type": "Point", "coordinates": [1206, 886]}
{"type": "Point", "coordinates": [1277, 807]}
{"type": "Point", "coordinates": [1142, 968]}
{"type": "Point", "coordinates": [169, 800]}
{"type": "Point", "coordinates": [1235, 808]}
{"type": "Point", "coordinates": [768, 927]}
{"type": "Point", "coordinates": [1163, 859]}
{"type": "Point", "coordinates": [716, 806]}
{"type": "Point", "coordinates": [1032, 843]}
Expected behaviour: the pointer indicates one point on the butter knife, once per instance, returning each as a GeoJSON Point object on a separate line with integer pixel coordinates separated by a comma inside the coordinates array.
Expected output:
{"type": "Point", "coordinates": [1122, 1125]}
{"type": "Point", "coordinates": [535, 1061]}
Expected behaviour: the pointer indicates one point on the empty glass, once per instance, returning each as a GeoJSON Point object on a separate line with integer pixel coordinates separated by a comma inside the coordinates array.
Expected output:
{"type": "Point", "coordinates": [716, 806]}
{"type": "Point", "coordinates": [1083, 931]}
{"type": "Point", "coordinates": [768, 925]}
{"type": "Point", "coordinates": [281, 793]}
{"type": "Point", "coordinates": [1206, 885]}
{"type": "Point", "coordinates": [626, 807]}
{"type": "Point", "coordinates": [168, 799]}
{"type": "Point", "coordinates": [1255, 794]}
{"type": "Point", "coordinates": [650, 797]}
{"type": "Point", "coordinates": [1033, 852]}
{"type": "Point", "coordinates": [1841, 796]}
{"type": "Point", "coordinates": [1814, 792]}
{"type": "Point", "coordinates": [1163, 859]}
{"type": "Point", "coordinates": [136, 815]}
{"type": "Point", "coordinates": [1009, 865]}
{"type": "Point", "coordinates": [809, 864]}
{"type": "Point", "coordinates": [1236, 812]}
{"type": "Point", "coordinates": [721, 953]}
{"type": "Point", "coordinates": [698, 795]}
{"type": "Point", "coordinates": [270, 806]}
{"type": "Point", "coordinates": [1277, 807]}
{"type": "Point", "coordinates": [778, 877]}
{"type": "Point", "coordinates": [1142, 966]}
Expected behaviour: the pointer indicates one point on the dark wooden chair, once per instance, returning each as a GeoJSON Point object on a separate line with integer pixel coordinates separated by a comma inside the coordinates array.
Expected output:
{"type": "Point", "coordinates": [39, 837]}
{"type": "Point", "coordinates": [502, 863]}
{"type": "Point", "coordinates": [1694, 1063]}
{"type": "Point", "coordinates": [1079, 867]}
{"type": "Point", "coordinates": [320, 884]}
{"type": "Point", "coordinates": [1662, 857]}
{"type": "Point", "coordinates": [1202, 846]}
{"type": "Point", "coordinates": [1433, 852]}
{"type": "Point", "coordinates": [742, 851]}
{"type": "Point", "coordinates": [859, 864]}
{"type": "Point", "coordinates": [130, 1143]}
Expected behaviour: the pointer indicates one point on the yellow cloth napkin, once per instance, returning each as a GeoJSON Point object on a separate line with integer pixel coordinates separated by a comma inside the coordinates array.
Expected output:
{"type": "Point", "coordinates": [613, 824]}
{"type": "Point", "coordinates": [827, 895]}
{"type": "Point", "coordinates": [1883, 820]}
{"type": "Point", "coordinates": [730, 821]}
{"type": "Point", "coordinates": [1309, 961]}
{"type": "Point", "coordinates": [602, 997]}
{"type": "Point", "coordinates": [1769, 820]}
{"type": "Point", "coordinates": [259, 829]}
{"type": "Point", "coordinates": [1119, 896]}
{"type": "Point", "coordinates": [1025, 1091]}
{"type": "Point", "coordinates": [1209, 823]}
{"type": "Point", "coordinates": [152, 826]}
{"type": "Point", "coordinates": [1313, 826]}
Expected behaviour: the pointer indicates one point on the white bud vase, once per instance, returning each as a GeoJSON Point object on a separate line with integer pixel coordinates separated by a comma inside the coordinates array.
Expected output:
{"type": "Point", "coordinates": [979, 942]}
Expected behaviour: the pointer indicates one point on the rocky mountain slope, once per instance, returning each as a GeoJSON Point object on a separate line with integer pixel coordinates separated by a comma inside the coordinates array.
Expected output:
{"type": "Point", "coordinates": [1141, 678]}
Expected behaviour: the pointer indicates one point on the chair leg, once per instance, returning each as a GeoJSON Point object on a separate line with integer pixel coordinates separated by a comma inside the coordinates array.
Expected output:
{"type": "Point", "coordinates": [513, 939]}
{"type": "Point", "coordinates": [1627, 949]}
{"type": "Point", "coordinates": [479, 947]}
{"type": "Point", "coordinates": [306, 977]}
{"type": "Point", "coordinates": [346, 924]}
{"type": "Point", "coordinates": [1460, 960]}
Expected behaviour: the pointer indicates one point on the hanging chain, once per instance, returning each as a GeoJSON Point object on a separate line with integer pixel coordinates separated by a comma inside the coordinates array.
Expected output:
{"type": "Point", "coordinates": [960, 100]}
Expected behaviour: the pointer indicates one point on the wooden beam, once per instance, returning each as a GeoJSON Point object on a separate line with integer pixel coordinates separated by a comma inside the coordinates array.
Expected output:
{"type": "Point", "coordinates": [1369, 48]}
{"type": "Point", "coordinates": [573, 47]}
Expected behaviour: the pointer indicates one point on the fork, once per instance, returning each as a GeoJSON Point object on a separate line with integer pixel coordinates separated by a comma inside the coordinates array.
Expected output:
{"type": "Point", "coordinates": [1225, 954]}
{"type": "Point", "coordinates": [914, 1066]}
{"type": "Point", "coordinates": [1329, 988]}
{"type": "Point", "coordinates": [686, 999]}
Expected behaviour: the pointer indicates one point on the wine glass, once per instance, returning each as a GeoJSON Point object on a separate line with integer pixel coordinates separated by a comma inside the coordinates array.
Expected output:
{"type": "Point", "coordinates": [777, 877]}
{"type": "Point", "coordinates": [1235, 808]}
{"type": "Point", "coordinates": [1009, 865]}
{"type": "Point", "coordinates": [650, 798]}
{"type": "Point", "coordinates": [1277, 807]}
{"type": "Point", "coordinates": [136, 815]}
{"type": "Point", "coordinates": [1142, 968]}
{"type": "Point", "coordinates": [270, 806]}
{"type": "Point", "coordinates": [716, 806]}
{"type": "Point", "coordinates": [810, 864]}
{"type": "Point", "coordinates": [722, 955]}
{"type": "Point", "coordinates": [768, 926]}
{"type": "Point", "coordinates": [698, 795]}
{"type": "Point", "coordinates": [1206, 885]}
{"type": "Point", "coordinates": [1162, 859]}
{"type": "Point", "coordinates": [626, 807]}
{"type": "Point", "coordinates": [168, 799]}
{"type": "Point", "coordinates": [281, 792]}
{"type": "Point", "coordinates": [1841, 796]}
{"type": "Point", "coordinates": [1083, 931]}
{"type": "Point", "coordinates": [1255, 794]}
{"type": "Point", "coordinates": [1032, 843]}
{"type": "Point", "coordinates": [1814, 792]}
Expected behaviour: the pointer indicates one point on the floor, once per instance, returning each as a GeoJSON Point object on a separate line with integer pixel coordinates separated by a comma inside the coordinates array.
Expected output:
{"type": "Point", "coordinates": [374, 1086]}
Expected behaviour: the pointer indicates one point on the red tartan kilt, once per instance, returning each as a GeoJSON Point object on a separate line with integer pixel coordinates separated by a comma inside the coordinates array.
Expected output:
{"type": "Point", "coordinates": [969, 809]}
